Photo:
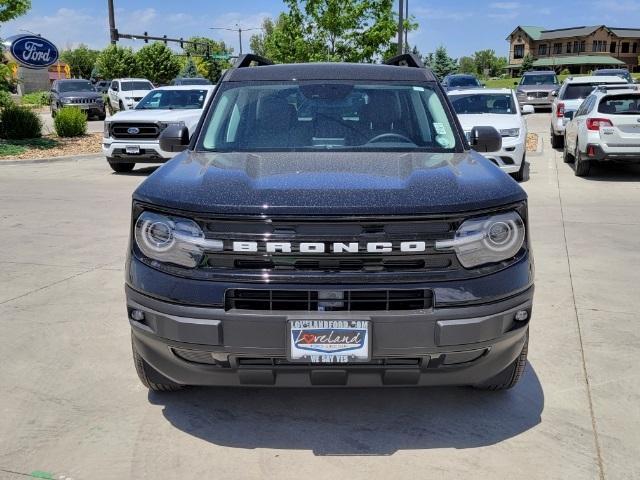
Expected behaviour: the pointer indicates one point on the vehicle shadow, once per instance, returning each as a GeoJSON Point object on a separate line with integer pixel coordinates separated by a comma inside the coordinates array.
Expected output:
{"type": "Point", "coordinates": [613, 172]}
{"type": "Point", "coordinates": [138, 172]}
{"type": "Point", "coordinates": [355, 421]}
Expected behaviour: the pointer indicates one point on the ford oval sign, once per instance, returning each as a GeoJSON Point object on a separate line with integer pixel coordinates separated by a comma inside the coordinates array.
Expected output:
{"type": "Point", "coordinates": [133, 131]}
{"type": "Point", "coordinates": [32, 51]}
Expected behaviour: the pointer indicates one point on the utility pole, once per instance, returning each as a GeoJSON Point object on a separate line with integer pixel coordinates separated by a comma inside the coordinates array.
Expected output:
{"type": "Point", "coordinates": [400, 25]}
{"type": "Point", "coordinates": [406, 30]}
{"type": "Point", "coordinates": [239, 30]}
{"type": "Point", "coordinates": [113, 31]}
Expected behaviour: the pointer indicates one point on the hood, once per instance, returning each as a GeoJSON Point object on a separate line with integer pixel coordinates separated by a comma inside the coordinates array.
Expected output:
{"type": "Point", "coordinates": [325, 183]}
{"type": "Point", "coordinates": [159, 115]}
{"type": "Point", "coordinates": [538, 88]}
{"type": "Point", "coordinates": [134, 93]}
{"type": "Point", "coordinates": [80, 94]}
{"type": "Point", "coordinates": [498, 121]}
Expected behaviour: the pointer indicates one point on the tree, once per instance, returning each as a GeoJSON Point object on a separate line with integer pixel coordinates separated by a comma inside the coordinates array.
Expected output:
{"type": "Point", "coordinates": [257, 41]}
{"type": "Point", "coordinates": [466, 65]}
{"type": "Point", "coordinates": [116, 62]}
{"type": "Point", "coordinates": [202, 53]}
{"type": "Point", "coordinates": [329, 30]}
{"type": "Point", "coordinates": [442, 64]}
{"type": "Point", "coordinates": [189, 70]}
{"type": "Point", "coordinates": [81, 61]}
{"type": "Point", "coordinates": [157, 63]}
{"type": "Point", "coordinates": [10, 9]}
{"type": "Point", "coordinates": [527, 63]}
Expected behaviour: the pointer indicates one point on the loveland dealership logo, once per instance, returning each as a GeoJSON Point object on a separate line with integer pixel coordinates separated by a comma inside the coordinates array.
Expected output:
{"type": "Point", "coordinates": [32, 51]}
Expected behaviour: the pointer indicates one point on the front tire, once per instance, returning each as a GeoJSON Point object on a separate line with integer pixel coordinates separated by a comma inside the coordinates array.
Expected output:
{"type": "Point", "coordinates": [557, 141]}
{"type": "Point", "coordinates": [149, 376]}
{"type": "Point", "coordinates": [519, 175]}
{"type": "Point", "coordinates": [566, 156]}
{"type": "Point", "coordinates": [582, 167]}
{"type": "Point", "coordinates": [509, 377]}
{"type": "Point", "coordinates": [121, 167]}
{"type": "Point", "coordinates": [121, 106]}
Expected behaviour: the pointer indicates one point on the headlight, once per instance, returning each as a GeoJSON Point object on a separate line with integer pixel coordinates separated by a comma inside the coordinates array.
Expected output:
{"type": "Point", "coordinates": [172, 239]}
{"type": "Point", "coordinates": [520, 93]}
{"type": "Point", "coordinates": [164, 125]}
{"type": "Point", "coordinates": [510, 132]}
{"type": "Point", "coordinates": [484, 240]}
{"type": "Point", "coordinates": [65, 100]}
{"type": "Point", "coordinates": [106, 133]}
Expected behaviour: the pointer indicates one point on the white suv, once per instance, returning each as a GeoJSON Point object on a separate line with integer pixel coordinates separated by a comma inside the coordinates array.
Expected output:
{"type": "Point", "coordinates": [132, 136]}
{"type": "Point", "coordinates": [125, 93]}
{"type": "Point", "coordinates": [570, 96]}
{"type": "Point", "coordinates": [606, 127]}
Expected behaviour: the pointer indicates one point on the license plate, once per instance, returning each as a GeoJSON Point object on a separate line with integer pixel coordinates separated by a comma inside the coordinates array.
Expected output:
{"type": "Point", "coordinates": [329, 341]}
{"type": "Point", "coordinates": [132, 150]}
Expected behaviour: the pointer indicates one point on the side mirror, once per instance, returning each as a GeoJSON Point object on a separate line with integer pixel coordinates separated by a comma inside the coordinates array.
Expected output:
{"type": "Point", "coordinates": [569, 115]}
{"type": "Point", "coordinates": [554, 93]}
{"type": "Point", "coordinates": [528, 109]}
{"type": "Point", "coordinates": [174, 138]}
{"type": "Point", "coordinates": [485, 139]}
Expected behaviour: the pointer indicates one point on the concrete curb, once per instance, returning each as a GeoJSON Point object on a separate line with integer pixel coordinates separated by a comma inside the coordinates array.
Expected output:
{"type": "Point", "coordinates": [66, 158]}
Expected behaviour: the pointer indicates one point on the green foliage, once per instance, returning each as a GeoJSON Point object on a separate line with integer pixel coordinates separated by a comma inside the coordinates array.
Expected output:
{"type": "Point", "coordinates": [329, 30]}
{"type": "Point", "coordinates": [116, 62]}
{"type": "Point", "coordinates": [467, 65]}
{"type": "Point", "coordinates": [189, 70]}
{"type": "Point", "coordinates": [70, 122]}
{"type": "Point", "coordinates": [11, 148]}
{"type": "Point", "coordinates": [208, 67]}
{"type": "Point", "coordinates": [18, 123]}
{"type": "Point", "coordinates": [565, 71]}
{"type": "Point", "coordinates": [442, 64]}
{"type": "Point", "coordinates": [527, 63]}
{"type": "Point", "coordinates": [5, 99]}
{"type": "Point", "coordinates": [81, 60]}
{"type": "Point", "coordinates": [10, 9]}
{"type": "Point", "coordinates": [37, 99]}
{"type": "Point", "coordinates": [157, 63]}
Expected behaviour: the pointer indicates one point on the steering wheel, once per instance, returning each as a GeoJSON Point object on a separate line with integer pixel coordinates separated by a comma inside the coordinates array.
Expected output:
{"type": "Point", "coordinates": [384, 136]}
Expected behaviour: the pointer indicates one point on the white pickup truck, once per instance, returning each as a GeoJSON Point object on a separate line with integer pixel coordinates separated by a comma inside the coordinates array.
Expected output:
{"type": "Point", "coordinates": [132, 136]}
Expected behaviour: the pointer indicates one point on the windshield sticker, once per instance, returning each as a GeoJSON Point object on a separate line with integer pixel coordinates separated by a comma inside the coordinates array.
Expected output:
{"type": "Point", "coordinates": [440, 130]}
{"type": "Point", "coordinates": [419, 89]}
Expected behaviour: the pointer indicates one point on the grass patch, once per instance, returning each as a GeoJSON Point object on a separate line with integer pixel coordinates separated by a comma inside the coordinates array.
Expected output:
{"type": "Point", "coordinates": [11, 148]}
{"type": "Point", "coordinates": [36, 99]}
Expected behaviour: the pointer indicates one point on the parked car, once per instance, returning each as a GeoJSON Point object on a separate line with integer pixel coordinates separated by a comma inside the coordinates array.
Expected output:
{"type": "Point", "coordinates": [497, 108]}
{"type": "Point", "coordinates": [125, 93]}
{"type": "Point", "coordinates": [131, 136]}
{"type": "Point", "coordinates": [76, 93]}
{"type": "Point", "coordinates": [536, 87]}
{"type": "Point", "coordinates": [570, 96]}
{"type": "Point", "coordinates": [460, 81]}
{"type": "Point", "coordinates": [620, 72]}
{"type": "Point", "coordinates": [190, 81]}
{"type": "Point", "coordinates": [329, 225]}
{"type": "Point", "coordinates": [102, 86]}
{"type": "Point", "coordinates": [606, 127]}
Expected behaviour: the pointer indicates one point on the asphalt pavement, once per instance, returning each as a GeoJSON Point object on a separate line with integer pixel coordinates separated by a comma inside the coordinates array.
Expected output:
{"type": "Point", "coordinates": [72, 406]}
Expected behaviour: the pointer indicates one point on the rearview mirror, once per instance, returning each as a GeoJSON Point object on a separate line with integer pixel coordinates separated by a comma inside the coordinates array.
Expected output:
{"type": "Point", "coordinates": [528, 109]}
{"type": "Point", "coordinates": [485, 139]}
{"type": "Point", "coordinates": [174, 138]}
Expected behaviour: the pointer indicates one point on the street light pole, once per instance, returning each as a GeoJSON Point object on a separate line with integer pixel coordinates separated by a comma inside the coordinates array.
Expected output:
{"type": "Point", "coordinates": [239, 30]}
{"type": "Point", "coordinates": [400, 25]}
{"type": "Point", "coordinates": [113, 32]}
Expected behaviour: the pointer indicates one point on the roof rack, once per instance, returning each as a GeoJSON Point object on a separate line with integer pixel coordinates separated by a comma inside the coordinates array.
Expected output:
{"type": "Point", "coordinates": [250, 59]}
{"type": "Point", "coordinates": [405, 60]}
{"type": "Point", "coordinates": [616, 86]}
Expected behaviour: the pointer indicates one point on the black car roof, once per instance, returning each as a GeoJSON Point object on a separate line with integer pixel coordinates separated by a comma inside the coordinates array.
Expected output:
{"type": "Point", "coordinates": [329, 71]}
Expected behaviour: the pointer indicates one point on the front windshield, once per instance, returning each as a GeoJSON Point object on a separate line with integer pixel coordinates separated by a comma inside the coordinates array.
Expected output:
{"type": "Point", "coordinates": [173, 99]}
{"type": "Point", "coordinates": [463, 82]}
{"type": "Point", "coordinates": [320, 116]}
{"type": "Point", "coordinates": [499, 103]}
{"type": "Point", "coordinates": [131, 86]}
{"type": "Point", "coordinates": [76, 87]}
{"type": "Point", "coordinates": [542, 79]}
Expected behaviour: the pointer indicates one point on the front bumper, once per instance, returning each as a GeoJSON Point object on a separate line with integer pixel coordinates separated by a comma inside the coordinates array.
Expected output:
{"type": "Point", "coordinates": [90, 108]}
{"type": "Point", "coordinates": [150, 151]}
{"type": "Point", "coordinates": [511, 155]}
{"type": "Point", "coordinates": [461, 345]}
{"type": "Point", "coordinates": [536, 102]}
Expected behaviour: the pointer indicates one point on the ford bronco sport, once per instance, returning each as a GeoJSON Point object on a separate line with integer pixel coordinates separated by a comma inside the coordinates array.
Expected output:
{"type": "Point", "coordinates": [329, 225]}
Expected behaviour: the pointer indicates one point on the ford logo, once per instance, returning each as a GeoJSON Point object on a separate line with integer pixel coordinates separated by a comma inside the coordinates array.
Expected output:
{"type": "Point", "coordinates": [32, 51]}
{"type": "Point", "coordinates": [133, 131]}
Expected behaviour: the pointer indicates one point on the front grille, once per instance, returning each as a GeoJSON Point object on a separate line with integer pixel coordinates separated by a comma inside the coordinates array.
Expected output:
{"type": "Point", "coordinates": [326, 232]}
{"type": "Point", "coordinates": [78, 101]}
{"type": "Point", "coordinates": [538, 94]}
{"type": "Point", "coordinates": [145, 130]}
{"type": "Point", "coordinates": [328, 300]}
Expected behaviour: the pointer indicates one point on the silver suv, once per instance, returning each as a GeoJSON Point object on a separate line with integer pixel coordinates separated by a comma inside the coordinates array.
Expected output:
{"type": "Point", "coordinates": [571, 95]}
{"type": "Point", "coordinates": [535, 88]}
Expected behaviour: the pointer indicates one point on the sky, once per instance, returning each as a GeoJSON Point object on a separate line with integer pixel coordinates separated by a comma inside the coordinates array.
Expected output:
{"type": "Point", "coordinates": [463, 26]}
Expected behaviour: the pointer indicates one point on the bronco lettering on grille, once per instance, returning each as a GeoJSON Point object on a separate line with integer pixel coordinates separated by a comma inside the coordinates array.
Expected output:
{"type": "Point", "coordinates": [329, 247]}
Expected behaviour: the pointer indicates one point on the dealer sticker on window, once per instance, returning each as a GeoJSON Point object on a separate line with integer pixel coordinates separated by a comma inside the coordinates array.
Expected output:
{"type": "Point", "coordinates": [329, 341]}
